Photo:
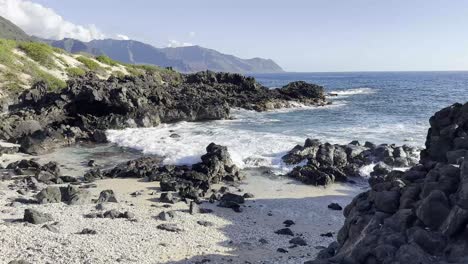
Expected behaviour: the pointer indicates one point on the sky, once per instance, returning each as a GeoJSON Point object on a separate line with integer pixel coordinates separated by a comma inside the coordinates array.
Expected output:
{"type": "Point", "coordinates": [300, 35]}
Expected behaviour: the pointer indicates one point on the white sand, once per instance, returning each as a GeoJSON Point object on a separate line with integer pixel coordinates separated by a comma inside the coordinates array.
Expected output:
{"type": "Point", "coordinates": [234, 238]}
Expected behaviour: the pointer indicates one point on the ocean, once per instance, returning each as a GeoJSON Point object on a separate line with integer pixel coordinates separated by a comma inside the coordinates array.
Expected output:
{"type": "Point", "coordinates": [381, 107]}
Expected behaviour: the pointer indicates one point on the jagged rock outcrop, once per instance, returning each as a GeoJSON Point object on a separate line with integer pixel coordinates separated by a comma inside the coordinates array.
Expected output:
{"type": "Point", "coordinates": [42, 120]}
{"type": "Point", "coordinates": [447, 139]}
{"type": "Point", "coordinates": [418, 216]}
{"type": "Point", "coordinates": [327, 163]}
{"type": "Point", "coordinates": [189, 181]}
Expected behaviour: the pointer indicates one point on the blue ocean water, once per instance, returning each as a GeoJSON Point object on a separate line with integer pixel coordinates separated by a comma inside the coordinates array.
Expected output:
{"type": "Point", "coordinates": [382, 107]}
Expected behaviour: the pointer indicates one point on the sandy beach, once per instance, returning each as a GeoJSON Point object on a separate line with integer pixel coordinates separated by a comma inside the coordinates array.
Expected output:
{"type": "Point", "coordinates": [247, 237]}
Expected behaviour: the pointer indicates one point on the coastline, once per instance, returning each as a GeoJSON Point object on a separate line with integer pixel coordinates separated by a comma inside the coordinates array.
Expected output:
{"type": "Point", "coordinates": [234, 236]}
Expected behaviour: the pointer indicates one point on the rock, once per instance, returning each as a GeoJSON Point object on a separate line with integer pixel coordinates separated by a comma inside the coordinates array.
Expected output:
{"type": "Point", "coordinates": [20, 261]}
{"type": "Point", "coordinates": [135, 194]}
{"type": "Point", "coordinates": [100, 207]}
{"type": "Point", "coordinates": [112, 214]}
{"type": "Point", "coordinates": [75, 196]}
{"type": "Point", "coordinates": [128, 215]}
{"type": "Point", "coordinates": [49, 195]}
{"type": "Point", "coordinates": [68, 179]}
{"type": "Point", "coordinates": [434, 209]}
{"type": "Point", "coordinates": [282, 250]}
{"type": "Point", "coordinates": [387, 201]}
{"type": "Point", "coordinates": [165, 216]}
{"type": "Point", "coordinates": [45, 176]}
{"type": "Point", "coordinates": [335, 206]}
{"type": "Point", "coordinates": [288, 223]}
{"type": "Point", "coordinates": [22, 192]}
{"type": "Point", "coordinates": [35, 217]}
{"type": "Point", "coordinates": [327, 163]}
{"type": "Point", "coordinates": [205, 223]}
{"type": "Point", "coordinates": [456, 156]}
{"type": "Point", "coordinates": [174, 135]}
{"type": "Point", "coordinates": [430, 242]}
{"type": "Point", "coordinates": [229, 204]}
{"type": "Point", "coordinates": [298, 241]}
{"type": "Point", "coordinates": [223, 189]}
{"type": "Point", "coordinates": [88, 231]}
{"type": "Point", "coordinates": [230, 197]}
{"type": "Point", "coordinates": [168, 198]}
{"type": "Point", "coordinates": [93, 175]}
{"type": "Point", "coordinates": [328, 234]}
{"type": "Point", "coordinates": [170, 228]}
{"type": "Point", "coordinates": [285, 231]}
{"type": "Point", "coordinates": [107, 196]}
{"type": "Point", "coordinates": [248, 195]}
{"type": "Point", "coordinates": [89, 105]}
{"type": "Point", "coordinates": [91, 163]}
{"type": "Point", "coordinates": [416, 216]}
{"type": "Point", "coordinates": [381, 169]}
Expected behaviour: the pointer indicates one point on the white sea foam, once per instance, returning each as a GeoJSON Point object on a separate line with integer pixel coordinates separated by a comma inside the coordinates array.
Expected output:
{"type": "Point", "coordinates": [248, 148]}
{"type": "Point", "coordinates": [355, 91]}
{"type": "Point", "coordinates": [365, 171]}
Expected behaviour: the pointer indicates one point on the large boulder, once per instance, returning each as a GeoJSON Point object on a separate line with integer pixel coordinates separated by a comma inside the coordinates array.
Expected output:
{"type": "Point", "coordinates": [69, 194]}
{"type": "Point", "coordinates": [447, 136]}
{"type": "Point", "coordinates": [35, 217]}
{"type": "Point", "coordinates": [324, 163]}
{"type": "Point", "coordinates": [189, 181]}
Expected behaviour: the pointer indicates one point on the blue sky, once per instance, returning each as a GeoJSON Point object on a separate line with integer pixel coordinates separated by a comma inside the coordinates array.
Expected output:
{"type": "Point", "coordinates": [325, 35]}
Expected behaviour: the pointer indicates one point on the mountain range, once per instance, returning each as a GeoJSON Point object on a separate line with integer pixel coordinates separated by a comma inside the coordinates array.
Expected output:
{"type": "Point", "coordinates": [183, 59]}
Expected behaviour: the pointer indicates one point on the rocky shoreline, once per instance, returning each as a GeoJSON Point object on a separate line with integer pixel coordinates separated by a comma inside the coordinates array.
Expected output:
{"type": "Point", "coordinates": [41, 120]}
{"type": "Point", "coordinates": [416, 216]}
{"type": "Point", "coordinates": [326, 163]}
{"type": "Point", "coordinates": [419, 214]}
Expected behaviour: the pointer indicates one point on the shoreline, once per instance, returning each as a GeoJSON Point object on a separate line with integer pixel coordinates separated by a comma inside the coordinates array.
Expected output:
{"type": "Point", "coordinates": [276, 199]}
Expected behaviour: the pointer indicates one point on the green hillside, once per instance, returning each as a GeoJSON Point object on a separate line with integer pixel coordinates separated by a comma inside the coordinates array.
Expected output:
{"type": "Point", "coordinates": [24, 62]}
{"type": "Point", "coordinates": [9, 30]}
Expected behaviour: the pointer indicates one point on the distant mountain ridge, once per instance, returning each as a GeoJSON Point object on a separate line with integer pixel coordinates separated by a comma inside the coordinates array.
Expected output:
{"type": "Point", "coordinates": [183, 59]}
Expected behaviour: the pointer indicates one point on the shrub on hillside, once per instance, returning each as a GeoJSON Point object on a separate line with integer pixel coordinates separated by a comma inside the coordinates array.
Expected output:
{"type": "Point", "coordinates": [52, 82]}
{"type": "Point", "coordinates": [106, 60]}
{"type": "Point", "coordinates": [89, 63]}
{"type": "Point", "coordinates": [39, 52]}
{"type": "Point", "coordinates": [6, 52]}
{"type": "Point", "coordinates": [75, 72]}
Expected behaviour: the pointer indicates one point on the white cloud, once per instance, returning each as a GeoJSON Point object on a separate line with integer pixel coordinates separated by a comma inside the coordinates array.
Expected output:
{"type": "Point", "coordinates": [40, 21]}
{"type": "Point", "coordinates": [175, 43]}
{"type": "Point", "coordinates": [122, 37]}
{"type": "Point", "coordinates": [192, 34]}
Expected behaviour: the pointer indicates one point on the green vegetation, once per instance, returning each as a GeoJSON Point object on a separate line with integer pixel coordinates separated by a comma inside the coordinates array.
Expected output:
{"type": "Point", "coordinates": [118, 74]}
{"type": "Point", "coordinates": [6, 52]}
{"type": "Point", "coordinates": [159, 74]}
{"type": "Point", "coordinates": [40, 52]}
{"type": "Point", "coordinates": [89, 63]}
{"type": "Point", "coordinates": [106, 60]}
{"type": "Point", "coordinates": [18, 72]}
{"type": "Point", "coordinates": [75, 72]}
{"type": "Point", "coordinates": [52, 82]}
{"type": "Point", "coordinates": [12, 81]}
